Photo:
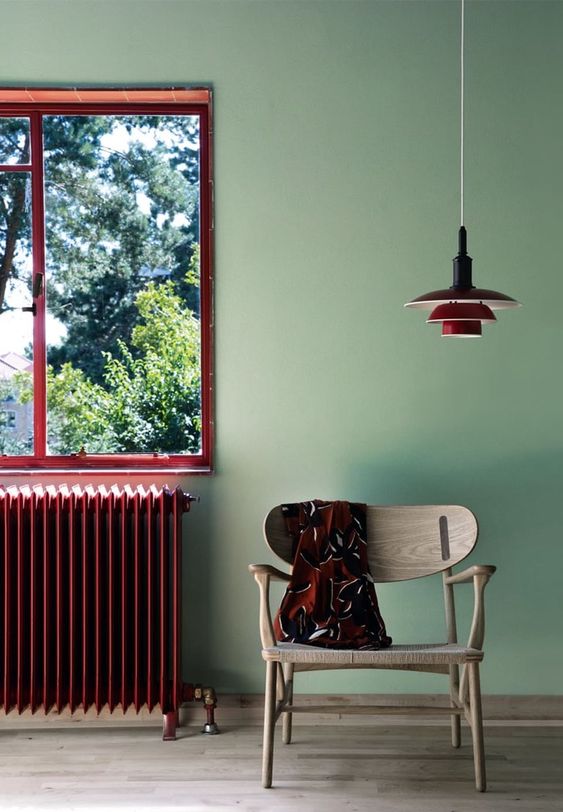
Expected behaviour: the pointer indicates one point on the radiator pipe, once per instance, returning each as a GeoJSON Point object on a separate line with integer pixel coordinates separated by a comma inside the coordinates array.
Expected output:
{"type": "Point", "coordinates": [207, 695]}
{"type": "Point", "coordinates": [188, 499]}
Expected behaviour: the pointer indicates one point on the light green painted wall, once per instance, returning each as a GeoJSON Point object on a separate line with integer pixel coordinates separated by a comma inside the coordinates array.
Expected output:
{"type": "Point", "coordinates": [336, 201]}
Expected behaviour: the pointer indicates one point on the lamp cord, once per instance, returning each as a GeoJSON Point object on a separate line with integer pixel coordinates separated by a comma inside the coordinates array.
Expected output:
{"type": "Point", "coordinates": [462, 111]}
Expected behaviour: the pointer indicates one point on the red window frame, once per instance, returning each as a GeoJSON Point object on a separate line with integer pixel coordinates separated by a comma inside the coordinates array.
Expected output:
{"type": "Point", "coordinates": [33, 103]}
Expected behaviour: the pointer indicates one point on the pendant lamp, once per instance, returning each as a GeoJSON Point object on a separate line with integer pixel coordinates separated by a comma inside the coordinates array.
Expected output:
{"type": "Point", "coordinates": [462, 309]}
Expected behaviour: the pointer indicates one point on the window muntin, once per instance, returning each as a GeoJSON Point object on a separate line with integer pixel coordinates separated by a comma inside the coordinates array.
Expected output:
{"type": "Point", "coordinates": [122, 286]}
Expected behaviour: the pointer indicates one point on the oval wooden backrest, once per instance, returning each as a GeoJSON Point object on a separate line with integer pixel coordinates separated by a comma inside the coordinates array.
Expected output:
{"type": "Point", "coordinates": [404, 541]}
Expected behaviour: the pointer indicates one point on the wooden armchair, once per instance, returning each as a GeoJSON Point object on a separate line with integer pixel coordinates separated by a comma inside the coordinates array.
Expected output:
{"type": "Point", "coordinates": [404, 542]}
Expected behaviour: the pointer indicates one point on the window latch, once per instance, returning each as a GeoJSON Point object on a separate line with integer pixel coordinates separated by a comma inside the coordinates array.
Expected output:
{"type": "Point", "coordinates": [37, 291]}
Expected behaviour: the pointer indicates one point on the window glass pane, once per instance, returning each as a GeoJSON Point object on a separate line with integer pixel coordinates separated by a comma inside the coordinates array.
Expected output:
{"type": "Point", "coordinates": [122, 267]}
{"type": "Point", "coordinates": [8, 417]}
{"type": "Point", "coordinates": [16, 325]}
{"type": "Point", "coordinates": [15, 147]}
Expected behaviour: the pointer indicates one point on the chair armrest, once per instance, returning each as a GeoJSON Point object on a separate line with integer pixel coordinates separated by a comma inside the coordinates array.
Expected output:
{"type": "Point", "coordinates": [466, 576]}
{"type": "Point", "coordinates": [479, 575]}
{"type": "Point", "coordinates": [263, 574]}
{"type": "Point", "coordinates": [267, 569]}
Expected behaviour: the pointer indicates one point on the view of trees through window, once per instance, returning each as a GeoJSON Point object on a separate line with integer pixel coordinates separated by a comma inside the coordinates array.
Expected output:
{"type": "Point", "coordinates": [121, 282]}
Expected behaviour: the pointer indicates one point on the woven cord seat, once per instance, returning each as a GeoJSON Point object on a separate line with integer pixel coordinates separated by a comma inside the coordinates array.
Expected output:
{"type": "Point", "coordinates": [416, 654]}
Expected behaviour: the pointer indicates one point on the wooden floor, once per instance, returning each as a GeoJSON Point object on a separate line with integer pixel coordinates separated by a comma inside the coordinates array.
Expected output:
{"type": "Point", "coordinates": [328, 768]}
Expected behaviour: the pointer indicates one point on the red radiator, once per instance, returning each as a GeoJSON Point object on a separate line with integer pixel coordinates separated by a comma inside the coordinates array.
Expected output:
{"type": "Point", "coordinates": [90, 599]}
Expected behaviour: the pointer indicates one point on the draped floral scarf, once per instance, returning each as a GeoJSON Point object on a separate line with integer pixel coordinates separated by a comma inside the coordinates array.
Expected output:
{"type": "Point", "coordinates": [330, 600]}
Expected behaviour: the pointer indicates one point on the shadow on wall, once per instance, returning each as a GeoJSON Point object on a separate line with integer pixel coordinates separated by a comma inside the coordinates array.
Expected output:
{"type": "Point", "coordinates": [518, 502]}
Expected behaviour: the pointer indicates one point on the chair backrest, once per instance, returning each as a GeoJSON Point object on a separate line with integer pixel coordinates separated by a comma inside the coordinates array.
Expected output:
{"type": "Point", "coordinates": [404, 541]}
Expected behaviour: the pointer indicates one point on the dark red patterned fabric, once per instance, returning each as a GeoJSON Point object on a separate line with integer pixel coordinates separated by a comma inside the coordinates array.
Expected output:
{"type": "Point", "coordinates": [330, 600]}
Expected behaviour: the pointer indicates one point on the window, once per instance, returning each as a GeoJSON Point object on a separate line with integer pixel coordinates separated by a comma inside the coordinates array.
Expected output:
{"type": "Point", "coordinates": [105, 277]}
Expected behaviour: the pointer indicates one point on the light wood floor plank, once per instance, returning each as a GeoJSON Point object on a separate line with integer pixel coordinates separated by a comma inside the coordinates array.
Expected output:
{"type": "Point", "coordinates": [327, 769]}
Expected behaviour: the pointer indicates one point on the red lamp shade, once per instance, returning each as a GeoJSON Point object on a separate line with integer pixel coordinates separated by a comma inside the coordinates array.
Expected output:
{"type": "Point", "coordinates": [461, 329]}
{"type": "Point", "coordinates": [462, 319]}
{"type": "Point", "coordinates": [462, 311]}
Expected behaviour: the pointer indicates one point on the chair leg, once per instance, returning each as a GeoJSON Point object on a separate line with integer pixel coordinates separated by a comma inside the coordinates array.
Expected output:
{"type": "Point", "coordinates": [286, 717]}
{"type": "Point", "coordinates": [455, 718]}
{"type": "Point", "coordinates": [269, 723]}
{"type": "Point", "coordinates": [456, 730]}
{"type": "Point", "coordinates": [476, 714]}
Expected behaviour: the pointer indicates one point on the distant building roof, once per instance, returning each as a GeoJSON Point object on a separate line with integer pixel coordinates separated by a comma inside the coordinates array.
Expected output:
{"type": "Point", "coordinates": [12, 362]}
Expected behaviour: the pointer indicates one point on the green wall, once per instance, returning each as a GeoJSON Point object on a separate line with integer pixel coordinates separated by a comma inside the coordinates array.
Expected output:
{"type": "Point", "coordinates": [336, 201]}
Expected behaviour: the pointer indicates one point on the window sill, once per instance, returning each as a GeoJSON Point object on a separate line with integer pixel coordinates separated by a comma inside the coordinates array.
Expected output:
{"type": "Point", "coordinates": [99, 471]}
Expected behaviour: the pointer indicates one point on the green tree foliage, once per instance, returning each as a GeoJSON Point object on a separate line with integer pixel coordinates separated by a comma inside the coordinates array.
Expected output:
{"type": "Point", "coordinates": [150, 397]}
{"type": "Point", "coordinates": [116, 217]}
{"type": "Point", "coordinates": [78, 413]}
